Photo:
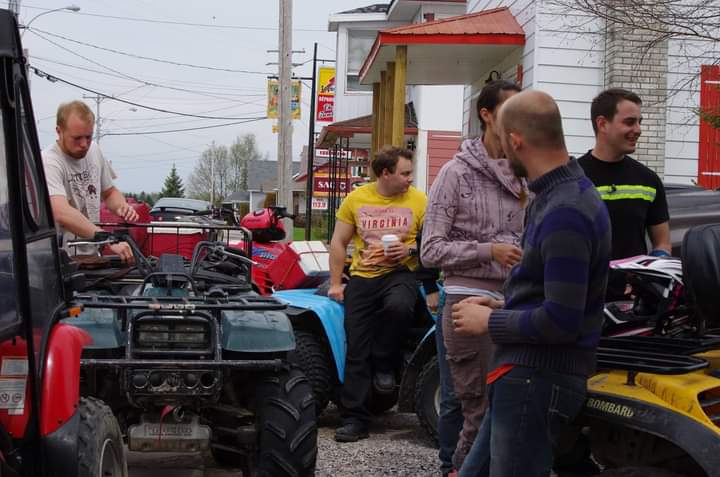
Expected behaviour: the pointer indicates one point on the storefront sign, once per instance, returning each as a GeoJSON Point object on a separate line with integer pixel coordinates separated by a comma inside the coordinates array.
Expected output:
{"type": "Point", "coordinates": [326, 94]}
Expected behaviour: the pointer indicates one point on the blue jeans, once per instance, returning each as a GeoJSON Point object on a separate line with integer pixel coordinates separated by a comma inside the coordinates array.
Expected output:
{"type": "Point", "coordinates": [450, 420]}
{"type": "Point", "coordinates": [529, 407]}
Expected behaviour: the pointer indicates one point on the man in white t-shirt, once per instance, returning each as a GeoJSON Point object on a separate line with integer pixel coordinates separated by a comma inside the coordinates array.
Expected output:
{"type": "Point", "coordinates": [79, 179]}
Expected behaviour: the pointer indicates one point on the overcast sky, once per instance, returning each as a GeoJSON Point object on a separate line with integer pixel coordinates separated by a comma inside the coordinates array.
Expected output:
{"type": "Point", "coordinates": [75, 48]}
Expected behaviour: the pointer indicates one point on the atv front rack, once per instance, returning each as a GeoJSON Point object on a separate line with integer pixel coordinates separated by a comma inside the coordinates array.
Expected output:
{"type": "Point", "coordinates": [181, 303]}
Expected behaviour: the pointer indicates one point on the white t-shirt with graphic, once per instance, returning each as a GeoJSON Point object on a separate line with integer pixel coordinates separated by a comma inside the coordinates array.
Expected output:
{"type": "Point", "coordinates": [80, 181]}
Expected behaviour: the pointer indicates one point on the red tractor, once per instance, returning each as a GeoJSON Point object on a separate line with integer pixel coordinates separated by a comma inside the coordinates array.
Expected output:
{"type": "Point", "coordinates": [46, 428]}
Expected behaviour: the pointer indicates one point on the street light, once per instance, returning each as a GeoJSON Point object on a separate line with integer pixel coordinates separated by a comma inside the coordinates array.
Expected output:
{"type": "Point", "coordinates": [72, 8]}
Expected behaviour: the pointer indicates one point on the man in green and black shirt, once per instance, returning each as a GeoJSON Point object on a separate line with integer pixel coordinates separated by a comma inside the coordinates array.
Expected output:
{"type": "Point", "coordinates": [633, 193]}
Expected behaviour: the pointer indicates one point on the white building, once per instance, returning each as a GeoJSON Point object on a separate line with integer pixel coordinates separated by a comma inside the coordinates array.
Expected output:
{"type": "Point", "coordinates": [434, 118]}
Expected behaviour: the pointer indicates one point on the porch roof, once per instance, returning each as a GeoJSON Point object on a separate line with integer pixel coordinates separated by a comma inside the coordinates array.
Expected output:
{"type": "Point", "coordinates": [449, 51]}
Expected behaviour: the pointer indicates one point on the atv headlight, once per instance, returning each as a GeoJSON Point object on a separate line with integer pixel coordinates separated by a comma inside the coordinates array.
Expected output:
{"type": "Point", "coordinates": [188, 334]}
{"type": "Point", "coordinates": [172, 335]}
{"type": "Point", "coordinates": [153, 333]}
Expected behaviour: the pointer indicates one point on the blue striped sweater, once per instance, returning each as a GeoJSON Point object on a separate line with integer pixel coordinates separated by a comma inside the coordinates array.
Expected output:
{"type": "Point", "coordinates": [554, 297]}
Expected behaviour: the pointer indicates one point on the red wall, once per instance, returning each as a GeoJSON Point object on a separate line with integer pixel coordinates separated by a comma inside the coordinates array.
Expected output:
{"type": "Point", "coordinates": [442, 146]}
{"type": "Point", "coordinates": [709, 153]}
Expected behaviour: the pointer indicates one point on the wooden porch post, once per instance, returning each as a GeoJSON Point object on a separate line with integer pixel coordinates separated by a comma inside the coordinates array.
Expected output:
{"type": "Point", "coordinates": [388, 105]}
{"type": "Point", "coordinates": [375, 120]}
{"type": "Point", "coordinates": [382, 99]}
{"type": "Point", "coordinates": [398, 108]}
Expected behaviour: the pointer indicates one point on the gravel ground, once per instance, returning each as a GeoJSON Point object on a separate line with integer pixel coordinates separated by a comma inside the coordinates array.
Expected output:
{"type": "Point", "coordinates": [397, 447]}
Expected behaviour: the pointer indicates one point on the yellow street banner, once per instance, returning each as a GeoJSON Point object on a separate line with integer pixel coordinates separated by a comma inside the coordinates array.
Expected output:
{"type": "Point", "coordinates": [274, 99]}
{"type": "Point", "coordinates": [326, 94]}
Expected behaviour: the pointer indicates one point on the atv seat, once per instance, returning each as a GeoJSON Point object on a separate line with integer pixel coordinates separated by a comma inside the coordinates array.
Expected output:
{"type": "Point", "coordinates": [701, 271]}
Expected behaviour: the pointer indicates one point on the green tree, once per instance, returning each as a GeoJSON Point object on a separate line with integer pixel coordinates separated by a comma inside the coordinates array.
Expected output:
{"type": "Point", "coordinates": [173, 185]}
{"type": "Point", "coordinates": [243, 150]}
{"type": "Point", "coordinates": [212, 173]}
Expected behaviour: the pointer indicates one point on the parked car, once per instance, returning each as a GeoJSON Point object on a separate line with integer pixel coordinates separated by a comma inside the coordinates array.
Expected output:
{"type": "Point", "coordinates": [690, 205]}
{"type": "Point", "coordinates": [176, 208]}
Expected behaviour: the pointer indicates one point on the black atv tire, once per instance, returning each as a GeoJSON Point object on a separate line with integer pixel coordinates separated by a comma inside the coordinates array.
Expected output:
{"type": "Point", "coordinates": [100, 442]}
{"type": "Point", "coordinates": [312, 357]}
{"type": "Point", "coordinates": [287, 427]}
{"type": "Point", "coordinates": [427, 398]}
{"type": "Point", "coordinates": [380, 403]}
{"type": "Point", "coordinates": [638, 472]}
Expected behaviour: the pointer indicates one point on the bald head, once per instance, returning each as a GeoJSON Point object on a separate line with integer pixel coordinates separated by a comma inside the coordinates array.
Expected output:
{"type": "Point", "coordinates": [535, 117]}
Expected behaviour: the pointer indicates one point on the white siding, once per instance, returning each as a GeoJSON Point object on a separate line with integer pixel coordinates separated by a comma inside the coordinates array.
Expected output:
{"type": "Point", "coordinates": [524, 12]}
{"type": "Point", "coordinates": [438, 107]}
{"type": "Point", "coordinates": [349, 105]}
{"type": "Point", "coordinates": [683, 82]}
{"type": "Point", "coordinates": [570, 66]}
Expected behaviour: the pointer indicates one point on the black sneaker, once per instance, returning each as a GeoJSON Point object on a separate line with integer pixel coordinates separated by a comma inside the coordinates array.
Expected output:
{"type": "Point", "coordinates": [384, 383]}
{"type": "Point", "coordinates": [351, 432]}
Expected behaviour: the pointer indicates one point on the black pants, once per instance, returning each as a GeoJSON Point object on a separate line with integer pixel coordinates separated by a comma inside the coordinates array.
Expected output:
{"type": "Point", "coordinates": [378, 313]}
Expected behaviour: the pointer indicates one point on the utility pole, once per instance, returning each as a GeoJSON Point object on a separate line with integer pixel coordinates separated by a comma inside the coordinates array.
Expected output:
{"type": "Point", "coordinates": [309, 180]}
{"type": "Point", "coordinates": [98, 120]}
{"type": "Point", "coordinates": [284, 192]}
{"type": "Point", "coordinates": [212, 175]}
{"type": "Point", "coordinates": [14, 6]}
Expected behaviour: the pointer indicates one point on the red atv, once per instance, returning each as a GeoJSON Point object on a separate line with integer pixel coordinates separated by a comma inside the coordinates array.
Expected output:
{"type": "Point", "coordinates": [45, 427]}
{"type": "Point", "coordinates": [280, 265]}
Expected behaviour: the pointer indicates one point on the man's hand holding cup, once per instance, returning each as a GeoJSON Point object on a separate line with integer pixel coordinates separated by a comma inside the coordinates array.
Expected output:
{"type": "Point", "coordinates": [395, 250]}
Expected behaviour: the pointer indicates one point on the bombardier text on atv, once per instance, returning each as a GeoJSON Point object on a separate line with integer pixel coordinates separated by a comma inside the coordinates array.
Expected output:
{"type": "Point", "coordinates": [46, 428]}
{"type": "Point", "coordinates": [190, 358]}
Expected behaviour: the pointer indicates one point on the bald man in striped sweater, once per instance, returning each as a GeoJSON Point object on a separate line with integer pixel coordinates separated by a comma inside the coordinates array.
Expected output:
{"type": "Point", "coordinates": [547, 331]}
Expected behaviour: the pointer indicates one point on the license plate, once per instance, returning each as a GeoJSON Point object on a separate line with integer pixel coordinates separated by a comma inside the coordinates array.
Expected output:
{"type": "Point", "coordinates": [169, 430]}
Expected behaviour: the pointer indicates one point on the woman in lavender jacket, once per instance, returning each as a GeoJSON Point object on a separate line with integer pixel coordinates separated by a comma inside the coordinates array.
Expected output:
{"type": "Point", "coordinates": [472, 231]}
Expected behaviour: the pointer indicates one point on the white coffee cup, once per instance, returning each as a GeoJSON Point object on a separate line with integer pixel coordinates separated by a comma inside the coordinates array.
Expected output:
{"type": "Point", "coordinates": [387, 240]}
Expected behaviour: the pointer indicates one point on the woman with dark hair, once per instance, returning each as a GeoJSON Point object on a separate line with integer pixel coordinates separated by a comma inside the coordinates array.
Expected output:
{"type": "Point", "coordinates": [472, 230]}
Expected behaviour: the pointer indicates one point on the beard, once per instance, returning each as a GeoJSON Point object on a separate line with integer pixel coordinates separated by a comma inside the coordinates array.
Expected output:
{"type": "Point", "coordinates": [517, 168]}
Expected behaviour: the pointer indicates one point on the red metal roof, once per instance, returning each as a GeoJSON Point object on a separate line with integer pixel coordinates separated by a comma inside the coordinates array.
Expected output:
{"type": "Point", "coordinates": [361, 125]}
{"type": "Point", "coordinates": [498, 21]}
{"type": "Point", "coordinates": [490, 27]}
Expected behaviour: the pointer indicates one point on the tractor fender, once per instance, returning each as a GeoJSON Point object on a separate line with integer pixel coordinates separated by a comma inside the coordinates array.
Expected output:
{"type": "Point", "coordinates": [425, 350]}
{"type": "Point", "coordinates": [257, 331]}
{"type": "Point", "coordinates": [305, 305]}
{"type": "Point", "coordinates": [60, 392]}
{"type": "Point", "coordinates": [102, 325]}
{"type": "Point", "coordinates": [700, 442]}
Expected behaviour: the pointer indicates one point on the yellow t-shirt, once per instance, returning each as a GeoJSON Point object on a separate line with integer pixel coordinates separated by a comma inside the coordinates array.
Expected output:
{"type": "Point", "coordinates": [375, 215]}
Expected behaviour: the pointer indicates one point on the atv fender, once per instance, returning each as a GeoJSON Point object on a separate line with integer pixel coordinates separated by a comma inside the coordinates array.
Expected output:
{"type": "Point", "coordinates": [102, 325]}
{"type": "Point", "coordinates": [306, 305]}
{"type": "Point", "coordinates": [61, 377]}
{"type": "Point", "coordinates": [611, 400]}
{"type": "Point", "coordinates": [425, 350]}
{"type": "Point", "coordinates": [257, 331]}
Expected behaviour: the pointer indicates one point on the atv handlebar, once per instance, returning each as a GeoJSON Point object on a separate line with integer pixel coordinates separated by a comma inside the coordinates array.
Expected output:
{"type": "Point", "coordinates": [281, 212]}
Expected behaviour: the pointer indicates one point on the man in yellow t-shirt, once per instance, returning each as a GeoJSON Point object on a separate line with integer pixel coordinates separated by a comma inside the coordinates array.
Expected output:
{"type": "Point", "coordinates": [381, 294]}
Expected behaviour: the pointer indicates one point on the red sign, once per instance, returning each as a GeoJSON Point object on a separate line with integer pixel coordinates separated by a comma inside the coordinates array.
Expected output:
{"type": "Point", "coordinates": [322, 185]}
{"type": "Point", "coordinates": [325, 108]}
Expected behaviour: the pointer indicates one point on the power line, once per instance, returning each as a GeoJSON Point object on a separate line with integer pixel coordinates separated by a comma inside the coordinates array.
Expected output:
{"type": "Point", "coordinates": [171, 22]}
{"type": "Point", "coordinates": [91, 70]}
{"type": "Point", "coordinates": [53, 78]}
{"type": "Point", "coordinates": [132, 78]}
{"type": "Point", "coordinates": [142, 133]}
{"type": "Point", "coordinates": [174, 123]}
{"type": "Point", "coordinates": [149, 58]}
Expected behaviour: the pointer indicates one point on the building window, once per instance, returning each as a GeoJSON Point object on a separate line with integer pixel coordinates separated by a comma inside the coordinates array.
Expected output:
{"type": "Point", "coordinates": [359, 45]}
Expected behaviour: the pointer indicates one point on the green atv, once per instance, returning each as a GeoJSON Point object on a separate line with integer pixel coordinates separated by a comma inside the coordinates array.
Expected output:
{"type": "Point", "coordinates": [189, 358]}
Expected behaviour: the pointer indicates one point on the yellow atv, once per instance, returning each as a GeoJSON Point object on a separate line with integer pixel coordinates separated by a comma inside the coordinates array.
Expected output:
{"type": "Point", "coordinates": [653, 409]}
